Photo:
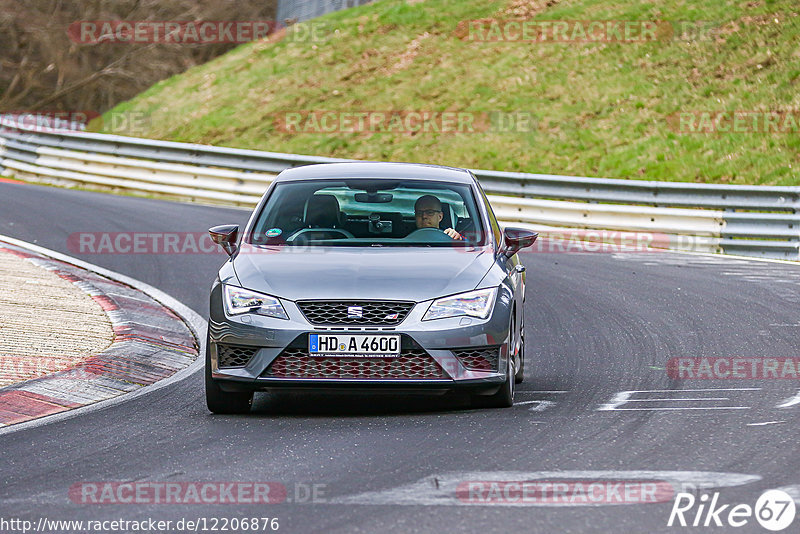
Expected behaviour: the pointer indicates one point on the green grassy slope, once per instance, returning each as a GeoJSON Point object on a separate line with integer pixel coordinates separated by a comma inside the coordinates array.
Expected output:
{"type": "Point", "coordinates": [601, 109]}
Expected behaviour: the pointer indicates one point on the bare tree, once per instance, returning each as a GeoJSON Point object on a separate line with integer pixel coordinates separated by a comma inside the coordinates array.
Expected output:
{"type": "Point", "coordinates": [42, 69]}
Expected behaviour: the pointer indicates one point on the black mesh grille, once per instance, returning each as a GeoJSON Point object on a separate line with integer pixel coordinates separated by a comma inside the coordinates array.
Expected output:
{"type": "Point", "coordinates": [233, 355]}
{"type": "Point", "coordinates": [411, 364]}
{"type": "Point", "coordinates": [479, 358]}
{"type": "Point", "coordinates": [373, 312]}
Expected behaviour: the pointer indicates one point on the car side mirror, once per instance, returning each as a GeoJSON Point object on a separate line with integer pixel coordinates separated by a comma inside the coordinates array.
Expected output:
{"type": "Point", "coordinates": [225, 236]}
{"type": "Point", "coordinates": [515, 239]}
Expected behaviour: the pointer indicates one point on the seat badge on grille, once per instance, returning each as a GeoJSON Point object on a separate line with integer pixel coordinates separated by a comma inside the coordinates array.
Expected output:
{"type": "Point", "coordinates": [355, 312]}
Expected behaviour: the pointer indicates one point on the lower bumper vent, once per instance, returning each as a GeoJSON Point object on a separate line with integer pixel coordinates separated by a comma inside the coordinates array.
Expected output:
{"type": "Point", "coordinates": [479, 358]}
{"type": "Point", "coordinates": [234, 355]}
{"type": "Point", "coordinates": [413, 364]}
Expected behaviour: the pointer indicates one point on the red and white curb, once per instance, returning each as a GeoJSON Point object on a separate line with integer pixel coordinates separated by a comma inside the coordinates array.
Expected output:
{"type": "Point", "coordinates": [152, 343]}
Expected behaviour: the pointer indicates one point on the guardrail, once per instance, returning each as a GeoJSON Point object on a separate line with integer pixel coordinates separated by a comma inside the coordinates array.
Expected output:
{"type": "Point", "coordinates": [300, 10]}
{"type": "Point", "coordinates": [745, 220]}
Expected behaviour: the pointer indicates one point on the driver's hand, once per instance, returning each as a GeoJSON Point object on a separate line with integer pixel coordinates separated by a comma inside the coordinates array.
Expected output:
{"type": "Point", "coordinates": [455, 235]}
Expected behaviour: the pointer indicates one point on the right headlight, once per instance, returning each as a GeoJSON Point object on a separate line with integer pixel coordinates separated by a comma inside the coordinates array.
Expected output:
{"type": "Point", "coordinates": [239, 300]}
{"type": "Point", "coordinates": [476, 303]}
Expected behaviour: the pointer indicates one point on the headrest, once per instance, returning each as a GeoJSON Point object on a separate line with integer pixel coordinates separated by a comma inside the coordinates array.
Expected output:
{"type": "Point", "coordinates": [322, 211]}
{"type": "Point", "coordinates": [447, 217]}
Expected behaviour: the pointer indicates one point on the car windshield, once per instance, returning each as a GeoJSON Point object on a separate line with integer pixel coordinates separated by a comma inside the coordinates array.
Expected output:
{"type": "Point", "coordinates": [369, 212]}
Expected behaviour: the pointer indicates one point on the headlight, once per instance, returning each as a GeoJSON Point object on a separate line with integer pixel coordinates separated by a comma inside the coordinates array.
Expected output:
{"type": "Point", "coordinates": [476, 303]}
{"type": "Point", "coordinates": [239, 300]}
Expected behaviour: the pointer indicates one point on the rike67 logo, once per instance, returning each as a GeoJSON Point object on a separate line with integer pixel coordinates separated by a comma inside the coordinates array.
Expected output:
{"type": "Point", "coordinates": [774, 510]}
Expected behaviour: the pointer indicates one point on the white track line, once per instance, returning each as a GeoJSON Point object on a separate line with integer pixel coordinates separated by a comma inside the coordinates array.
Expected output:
{"type": "Point", "coordinates": [766, 423]}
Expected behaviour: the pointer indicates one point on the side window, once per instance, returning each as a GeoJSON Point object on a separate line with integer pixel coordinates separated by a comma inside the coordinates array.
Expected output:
{"type": "Point", "coordinates": [498, 234]}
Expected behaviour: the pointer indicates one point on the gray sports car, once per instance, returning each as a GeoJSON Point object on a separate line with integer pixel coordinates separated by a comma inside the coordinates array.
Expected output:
{"type": "Point", "coordinates": [381, 276]}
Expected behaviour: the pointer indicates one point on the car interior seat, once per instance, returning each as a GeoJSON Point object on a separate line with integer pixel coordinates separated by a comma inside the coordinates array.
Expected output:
{"type": "Point", "coordinates": [322, 211]}
{"type": "Point", "coordinates": [447, 217]}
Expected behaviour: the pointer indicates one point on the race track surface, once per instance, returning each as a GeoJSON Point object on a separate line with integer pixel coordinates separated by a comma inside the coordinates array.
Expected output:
{"type": "Point", "coordinates": [598, 325]}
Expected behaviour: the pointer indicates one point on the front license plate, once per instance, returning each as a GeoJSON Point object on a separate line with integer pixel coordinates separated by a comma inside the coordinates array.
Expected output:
{"type": "Point", "coordinates": [359, 346]}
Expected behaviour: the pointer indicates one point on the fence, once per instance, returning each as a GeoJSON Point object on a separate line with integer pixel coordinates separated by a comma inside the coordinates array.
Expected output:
{"type": "Point", "coordinates": [745, 220]}
{"type": "Point", "coordinates": [301, 10]}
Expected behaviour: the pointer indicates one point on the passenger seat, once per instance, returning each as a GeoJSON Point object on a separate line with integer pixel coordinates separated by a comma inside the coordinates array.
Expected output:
{"type": "Point", "coordinates": [322, 211]}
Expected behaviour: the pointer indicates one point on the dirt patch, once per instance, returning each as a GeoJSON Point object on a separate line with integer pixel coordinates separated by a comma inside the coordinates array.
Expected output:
{"type": "Point", "coordinates": [516, 10]}
{"type": "Point", "coordinates": [409, 54]}
{"type": "Point", "coordinates": [525, 9]}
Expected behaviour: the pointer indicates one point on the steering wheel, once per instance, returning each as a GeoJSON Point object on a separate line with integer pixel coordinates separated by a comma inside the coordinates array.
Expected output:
{"type": "Point", "coordinates": [294, 236]}
{"type": "Point", "coordinates": [429, 234]}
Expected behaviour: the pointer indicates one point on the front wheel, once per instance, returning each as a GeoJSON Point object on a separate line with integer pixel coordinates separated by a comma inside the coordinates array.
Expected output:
{"type": "Point", "coordinates": [520, 375]}
{"type": "Point", "coordinates": [223, 402]}
{"type": "Point", "coordinates": [504, 398]}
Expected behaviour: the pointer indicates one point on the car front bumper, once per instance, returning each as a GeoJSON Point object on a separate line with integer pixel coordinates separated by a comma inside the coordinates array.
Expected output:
{"type": "Point", "coordinates": [267, 339]}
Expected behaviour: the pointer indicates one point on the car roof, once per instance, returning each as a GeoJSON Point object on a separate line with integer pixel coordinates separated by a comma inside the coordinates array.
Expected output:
{"type": "Point", "coordinates": [376, 170]}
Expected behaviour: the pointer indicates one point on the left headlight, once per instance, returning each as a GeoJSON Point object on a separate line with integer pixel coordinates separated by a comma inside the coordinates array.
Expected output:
{"type": "Point", "coordinates": [239, 300]}
{"type": "Point", "coordinates": [476, 303]}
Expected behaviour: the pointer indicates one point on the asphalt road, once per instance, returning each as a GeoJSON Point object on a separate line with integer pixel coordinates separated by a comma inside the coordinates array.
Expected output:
{"type": "Point", "coordinates": [598, 325]}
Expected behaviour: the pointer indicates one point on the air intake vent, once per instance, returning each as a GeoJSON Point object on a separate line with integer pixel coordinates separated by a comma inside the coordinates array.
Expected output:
{"type": "Point", "coordinates": [234, 355]}
{"type": "Point", "coordinates": [412, 364]}
{"type": "Point", "coordinates": [479, 358]}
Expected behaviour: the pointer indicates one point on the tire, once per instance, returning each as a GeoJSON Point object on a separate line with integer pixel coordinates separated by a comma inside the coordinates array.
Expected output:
{"type": "Point", "coordinates": [223, 402]}
{"type": "Point", "coordinates": [520, 374]}
{"type": "Point", "coordinates": [504, 397]}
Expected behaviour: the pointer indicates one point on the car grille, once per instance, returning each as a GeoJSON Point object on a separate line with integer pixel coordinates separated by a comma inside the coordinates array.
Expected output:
{"type": "Point", "coordinates": [479, 358]}
{"type": "Point", "coordinates": [234, 355]}
{"type": "Point", "coordinates": [373, 312]}
{"type": "Point", "coordinates": [411, 364]}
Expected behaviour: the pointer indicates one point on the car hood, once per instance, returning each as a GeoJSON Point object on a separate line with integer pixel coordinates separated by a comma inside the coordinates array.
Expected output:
{"type": "Point", "coordinates": [362, 273]}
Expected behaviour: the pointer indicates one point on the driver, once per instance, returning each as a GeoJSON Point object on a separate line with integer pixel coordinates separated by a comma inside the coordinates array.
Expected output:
{"type": "Point", "coordinates": [428, 214]}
